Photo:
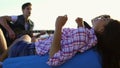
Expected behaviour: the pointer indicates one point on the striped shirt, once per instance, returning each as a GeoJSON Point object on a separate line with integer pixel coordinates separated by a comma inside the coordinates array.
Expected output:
{"type": "Point", "coordinates": [73, 41]}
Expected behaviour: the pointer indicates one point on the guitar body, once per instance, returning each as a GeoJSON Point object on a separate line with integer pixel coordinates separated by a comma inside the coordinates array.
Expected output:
{"type": "Point", "coordinates": [20, 32]}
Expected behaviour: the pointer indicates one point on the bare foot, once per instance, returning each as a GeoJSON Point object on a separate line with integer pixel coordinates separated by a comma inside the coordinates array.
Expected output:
{"type": "Point", "coordinates": [79, 22]}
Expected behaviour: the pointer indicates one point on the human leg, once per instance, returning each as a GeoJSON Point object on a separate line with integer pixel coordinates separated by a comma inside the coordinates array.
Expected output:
{"type": "Point", "coordinates": [25, 38]}
{"type": "Point", "coordinates": [19, 46]}
{"type": "Point", "coordinates": [3, 44]}
{"type": "Point", "coordinates": [60, 22]}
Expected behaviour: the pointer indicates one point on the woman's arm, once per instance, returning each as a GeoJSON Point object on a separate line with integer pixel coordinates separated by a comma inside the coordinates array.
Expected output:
{"type": "Point", "coordinates": [55, 47]}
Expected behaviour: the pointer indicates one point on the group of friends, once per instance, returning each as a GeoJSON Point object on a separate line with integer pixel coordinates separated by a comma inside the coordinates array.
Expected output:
{"type": "Point", "coordinates": [104, 35]}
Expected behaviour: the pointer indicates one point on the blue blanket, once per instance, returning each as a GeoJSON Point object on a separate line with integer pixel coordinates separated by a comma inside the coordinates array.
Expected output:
{"type": "Point", "coordinates": [88, 59]}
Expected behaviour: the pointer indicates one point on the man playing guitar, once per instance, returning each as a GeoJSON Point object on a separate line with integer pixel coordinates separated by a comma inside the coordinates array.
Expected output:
{"type": "Point", "coordinates": [8, 25]}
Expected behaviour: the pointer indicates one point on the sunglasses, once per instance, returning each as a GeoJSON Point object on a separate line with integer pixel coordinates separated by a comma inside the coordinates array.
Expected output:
{"type": "Point", "coordinates": [102, 17]}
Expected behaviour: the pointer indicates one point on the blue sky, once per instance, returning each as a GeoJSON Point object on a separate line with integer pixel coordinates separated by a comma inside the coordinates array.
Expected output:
{"type": "Point", "coordinates": [45, 12]}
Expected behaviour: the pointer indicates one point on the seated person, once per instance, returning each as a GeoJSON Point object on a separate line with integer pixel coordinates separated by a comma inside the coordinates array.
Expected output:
{"type": "Point", "coordinates": [13, 26]}
{"type": "Point", "coordinates": [61, 47]}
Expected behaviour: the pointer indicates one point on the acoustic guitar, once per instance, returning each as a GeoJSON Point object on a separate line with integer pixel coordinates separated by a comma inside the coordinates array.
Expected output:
{"type": "Point", "coordinates": [38, 32]}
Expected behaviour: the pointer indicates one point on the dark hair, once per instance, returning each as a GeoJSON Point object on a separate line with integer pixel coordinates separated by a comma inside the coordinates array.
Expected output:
{"type": "Point", "coordinates": [109, 45]}
{"type": "Point", "coordinates": [87, 25]}
{"type": "Point", "coordinates": [25, 5]}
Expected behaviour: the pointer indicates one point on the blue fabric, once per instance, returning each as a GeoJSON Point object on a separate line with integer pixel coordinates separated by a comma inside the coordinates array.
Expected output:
{"type": "Point", "coordinates": [89, 59]}
{"type": "Point", "coordinates": [22, 48]}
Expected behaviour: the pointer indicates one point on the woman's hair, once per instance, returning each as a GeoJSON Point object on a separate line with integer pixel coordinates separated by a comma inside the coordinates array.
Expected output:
{"type": "Point", "coordinates": [109, 44]}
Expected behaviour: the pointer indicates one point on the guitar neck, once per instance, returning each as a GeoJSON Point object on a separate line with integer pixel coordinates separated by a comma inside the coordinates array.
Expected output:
{"type": "Point", "coordinates": [38, 31]}
{"type": "Point", "coordinates": [35, 31]}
